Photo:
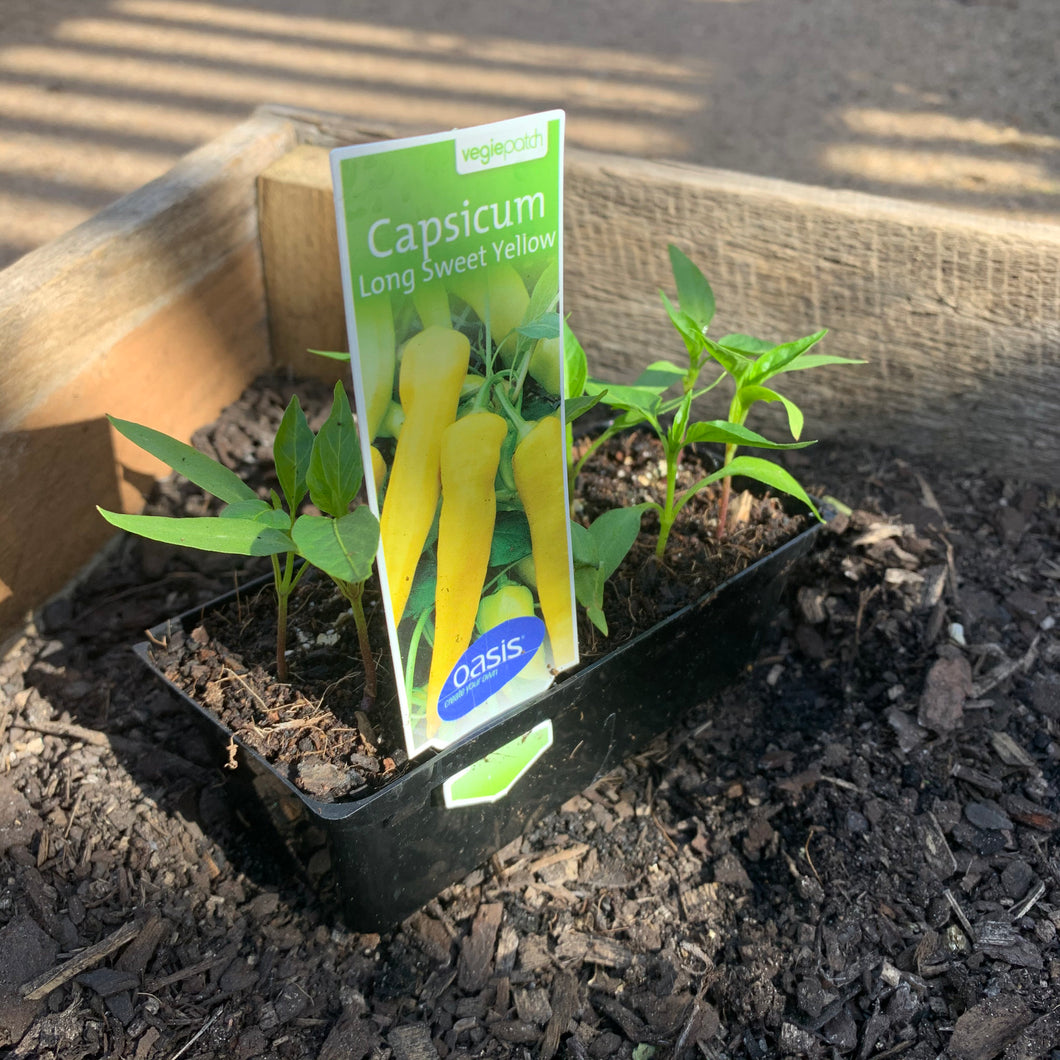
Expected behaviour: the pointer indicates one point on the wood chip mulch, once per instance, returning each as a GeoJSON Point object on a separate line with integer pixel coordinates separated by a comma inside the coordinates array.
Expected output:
{"type": "Point", "coordinates": [852, 852]}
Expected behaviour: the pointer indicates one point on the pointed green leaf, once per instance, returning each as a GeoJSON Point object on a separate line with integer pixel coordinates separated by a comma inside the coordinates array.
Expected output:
{"type": "Point", "coordinates": [335, 355]}
{"type": "Point", "coordinates": [770, 474]}
{"type": "Point", "coordinates": [545, 326]}
{"type": "Point", "coordinates": [776, 359]}
{"type": "Point", "coordinates": [818, 360]}
{"type": "Point", "coordinates": [615, 533]}
{"type": "Point", "coordinates": [260, 512]}
{"type": "Point", "coordinates": [686, 325]}
{"type": "Point", "coordinates": [660, 376]}
{"type": "Point", "coordinates": [575, 407]}
{"type": "Point", "coordinates": [335, 470]}
{"type": "Point", "coordinates": [748, 395]}
{"type": "Point", "coordinates": [237, 537]}
{"type": "Point", "coordinates": [734, 434]}
{"type": "Point", "coordinates": [642, 400]}
{"type": "Point", "coordinates": [342, 548]}
{"type": "Point", "coordinates": [735, 362]}
{"type": "Point", "coordinates": [693, 292]}
{"type": "Point", "coordinates": [511, 538]}
{"type": "Point", "coordinates": [584, 548]}
{"type": "Point", "coordinates": [575, 365]}
{"type": "Point", "coordinates": [292, 449]}
{"type": "Point", "coordinates": [196, 467]}
{"type": "Point", "coordinates": [746, 344]}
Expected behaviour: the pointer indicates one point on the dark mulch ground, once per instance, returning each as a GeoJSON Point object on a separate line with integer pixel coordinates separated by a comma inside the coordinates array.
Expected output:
{"type": "Point", "coordinates": [852, 852]}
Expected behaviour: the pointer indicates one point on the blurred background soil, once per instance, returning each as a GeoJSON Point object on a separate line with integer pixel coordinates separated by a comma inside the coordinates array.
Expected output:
{"type": "Point", "coordinates": [946, 101]}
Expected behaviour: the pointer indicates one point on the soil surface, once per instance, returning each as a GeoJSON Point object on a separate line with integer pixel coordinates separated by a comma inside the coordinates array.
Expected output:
{"type": "Point", "coordinates": [320, 728]}
{"type": "Point", "coordinates": [849, 853]}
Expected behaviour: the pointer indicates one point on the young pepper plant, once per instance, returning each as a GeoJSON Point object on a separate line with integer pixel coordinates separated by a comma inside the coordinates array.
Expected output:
{"type": "Point", "coordinates": [749, 363]}
{"type": "Point", "coordinates": [326, 467]}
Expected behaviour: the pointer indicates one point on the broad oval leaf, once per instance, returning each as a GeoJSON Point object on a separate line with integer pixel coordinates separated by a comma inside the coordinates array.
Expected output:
{"type": "Point", "coordinates": [335, 470]}
{"type": "Point", "coordinates": [511, 538]}
{"type": "Point", "coordinates": [584, 549]}
{"type": "Point", "coordinates": [196, 467]}
{"type": "Point", "coordinates": [342, 548]}
{"type": "Point", "coordinates": [615, 533]}
{"type": "Point", "coordinates": [693, 292]}
{"type": "Point", "coordinates": [292, 449]}
{"type": "Point", "coordinates": [236, 537]}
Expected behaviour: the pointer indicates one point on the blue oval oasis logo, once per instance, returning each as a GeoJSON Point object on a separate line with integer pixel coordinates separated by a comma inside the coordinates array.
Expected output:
{"type": "Point", "coordinates": [489, 664]}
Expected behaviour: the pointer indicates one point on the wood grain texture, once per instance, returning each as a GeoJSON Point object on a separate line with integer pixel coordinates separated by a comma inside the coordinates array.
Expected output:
{"type": "Point", "coordinates": [300, 253]}
{"type": "Point", "coordinates": [957, 314]}
{"type": "Point", "coordinates": [154, 311]}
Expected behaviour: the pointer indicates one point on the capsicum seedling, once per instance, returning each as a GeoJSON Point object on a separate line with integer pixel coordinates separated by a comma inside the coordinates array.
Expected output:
{"type": "Point", "coordinates": [748, 362]}
{"type": "Point", "coordinates": [326, 467]}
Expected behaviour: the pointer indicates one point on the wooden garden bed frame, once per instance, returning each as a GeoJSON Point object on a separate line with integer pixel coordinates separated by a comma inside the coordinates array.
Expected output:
{"type": "Point", "coordinates": [164, 305]}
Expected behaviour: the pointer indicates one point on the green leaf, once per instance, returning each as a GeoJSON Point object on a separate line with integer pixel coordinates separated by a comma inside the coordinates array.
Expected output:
{"type": "Point", "coordinates": [615, 533]}
{"type": "Point", "coordinates": [342, 548]}
{"type": "Point", "coordinates": [335, 471]}
{"type": "Point", "coordinates": [775, 360]}
{"type": "Point", "coordinates": [660, 376]}
{"type": "Point", "coordinates": [545, 326]}
{"type": "Point", "coordinates": [693, 292]}
{"type": "Point", "coordinates": [642, 400]}
{"type": "Point", "coordinates": [335, 355]}
{"type": "Point", "coordinates": [748, 395]}
{"type": "Point", "coordinates": [686, 325]}
{"type": "Point", "coordinates": [511, 539]}
{"type": "Point", "coordinates": [818, 360]}
{"type": "Point", "coordinates": [735, 362]}
{"type": "Point", "coordinates": [733, 434]}
{"type": "Point", "coordinates": [745, 344]}
{"type": "Point", "coordinates": [575, 365]}
{"type": "Point", "coordinates": [584, 551]}
{"type": "Point", "coordinates": [196, 467]}
{"type": "Point", "coordinates": [259, 511]}
{"type": "Point", "coordinates": [236, 537]}
{"type": "Point", "coordinates": [292, 449]}
{"type": "Point", "coordinates": [598, 552]}
{"type": "Point", "coordinates": [575, 407]}
{"type": "Point", "coordinates": [770, 474]}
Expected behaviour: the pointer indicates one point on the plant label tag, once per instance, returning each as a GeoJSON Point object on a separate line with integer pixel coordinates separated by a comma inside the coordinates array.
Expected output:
{"type": "Point", "coordinates": [493, 776]}
{"type": "Point", "coordinates": [451, 257]}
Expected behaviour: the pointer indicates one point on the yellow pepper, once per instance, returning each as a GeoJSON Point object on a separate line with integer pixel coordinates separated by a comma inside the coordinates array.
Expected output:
{"type": "Point", "coordinates": [378, 468]}
{"type": "Point", "coordinates": [376, 352]}
{"type": "Point", "coordinates": [512, 601]}
{"type": "Point", "coordinates": [499, 295]}
{"type": "Point", "coordinates": [544, 365]}
{"type": "Point", "coordinates": [471, 450]}
{"type": "Point", "coordinates": [433, 368]}
{"type": "Point", "coordinates": [536, 466]}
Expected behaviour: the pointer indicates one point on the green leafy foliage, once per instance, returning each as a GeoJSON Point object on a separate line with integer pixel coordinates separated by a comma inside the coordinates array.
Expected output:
{"type": "Point", "coordinates": [747, 362]}
{"type": "Point", "coordinates": [326, 467]}
{"type": "Point", "coordinates": [598, 551]}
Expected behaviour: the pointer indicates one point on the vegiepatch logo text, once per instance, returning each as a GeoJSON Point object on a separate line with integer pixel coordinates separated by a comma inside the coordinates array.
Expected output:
{"type": "Point", "coordinates": [503, 144]}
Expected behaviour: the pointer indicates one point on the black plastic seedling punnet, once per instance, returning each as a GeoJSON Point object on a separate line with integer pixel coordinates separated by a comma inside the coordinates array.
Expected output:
{"type": "Point", "coordinates": [397, 848]}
